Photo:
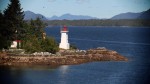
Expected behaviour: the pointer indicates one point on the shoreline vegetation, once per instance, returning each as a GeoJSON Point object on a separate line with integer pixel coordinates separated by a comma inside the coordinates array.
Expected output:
{"type": "Point", "coordinates": [29, 36]}
{"type": "Point", "coordinates": [100, 22]}
{"type": "Point", "coordinates": [64, 57]}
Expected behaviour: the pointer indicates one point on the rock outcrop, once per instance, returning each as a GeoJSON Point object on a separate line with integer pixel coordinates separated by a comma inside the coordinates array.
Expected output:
{"type": "Point", "coordinates": [66, 58]}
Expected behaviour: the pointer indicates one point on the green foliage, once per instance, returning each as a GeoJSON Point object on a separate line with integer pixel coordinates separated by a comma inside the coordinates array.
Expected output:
{"type": "Point", "coordinates": [32, 44]}
{"type": "Point", "coordinates": [37, 28]}
{"type": "Point", "coordinates": [49, 45]}
{"type": "Point", "coordinates": [13, 18]}
{"type": "Point", "coordinates": [2, 39]}
{"type": "Point", "coordinates": [34, 41]}
{"type": "Point", "coordinates": [3, 33]}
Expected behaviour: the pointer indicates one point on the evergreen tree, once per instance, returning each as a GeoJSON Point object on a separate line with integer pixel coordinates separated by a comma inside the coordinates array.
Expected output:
{"type": "Point", "coordinates": [3, 33]}
{"type": "Point", "coordinates": [13, 19]}
{"type": "Point", "coordinates": [2, 39]}
{"type": "Point", "coordinates": [34, 41]}
{"type": "Point", "coordinates": [37, 27]}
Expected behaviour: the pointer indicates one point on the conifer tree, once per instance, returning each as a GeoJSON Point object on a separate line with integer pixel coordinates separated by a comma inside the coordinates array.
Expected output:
{"type": "Point", "coordinates": [2, 39]}
{"type": "Point", "coordinates": [37, 27]}
{"type": "Point", "coordinates": [13, 19]}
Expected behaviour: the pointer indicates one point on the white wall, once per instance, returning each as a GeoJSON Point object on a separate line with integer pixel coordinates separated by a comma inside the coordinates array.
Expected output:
{"type": "Point", "coordinates": [14, 44]}
{"type": "Point", "coordinates": [64, 41]}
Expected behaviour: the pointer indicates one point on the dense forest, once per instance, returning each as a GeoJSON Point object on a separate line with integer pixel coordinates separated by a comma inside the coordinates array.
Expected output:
{"type": "Point", "coordinates": [31, 33]}
{"type": "Point", "coordinates": [99, 22]}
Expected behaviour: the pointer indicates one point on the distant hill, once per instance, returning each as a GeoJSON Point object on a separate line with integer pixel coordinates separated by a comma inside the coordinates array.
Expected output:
{"type": "Point", "coordinates": [141, 15]}
{"type": "Point", "coordinates": [71, 17]}
{"type": "Point", "coordinates": [145, 15]}
{"type": "Point", "coordinates": [30, 15]}
{"type": "Point", "coordinates": [130, 15]}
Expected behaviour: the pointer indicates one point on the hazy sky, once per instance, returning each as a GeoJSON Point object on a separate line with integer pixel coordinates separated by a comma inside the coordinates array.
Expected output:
{"type": "Point", "coordinates": [95, 8]}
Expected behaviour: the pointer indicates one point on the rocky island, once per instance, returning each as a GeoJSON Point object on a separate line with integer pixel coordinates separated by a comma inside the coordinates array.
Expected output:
{"type": "Point", "coordinates": [65, 57]}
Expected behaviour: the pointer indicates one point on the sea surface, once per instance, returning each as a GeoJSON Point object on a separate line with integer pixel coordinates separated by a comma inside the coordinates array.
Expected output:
{"type": "Point", "coordinates": [131, 42]}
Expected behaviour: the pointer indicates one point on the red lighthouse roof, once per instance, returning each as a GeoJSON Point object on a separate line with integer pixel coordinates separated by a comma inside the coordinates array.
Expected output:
{"type": "Point", "coordinates": [64, 28]}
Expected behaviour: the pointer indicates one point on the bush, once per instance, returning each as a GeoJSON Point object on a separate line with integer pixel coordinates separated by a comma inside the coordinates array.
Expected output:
{"type": "Point", "coordinates": [49, 45]}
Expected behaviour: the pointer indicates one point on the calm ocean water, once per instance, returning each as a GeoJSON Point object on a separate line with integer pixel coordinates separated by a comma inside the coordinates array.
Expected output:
{"type": "Point", "coordinates": [134, 43]}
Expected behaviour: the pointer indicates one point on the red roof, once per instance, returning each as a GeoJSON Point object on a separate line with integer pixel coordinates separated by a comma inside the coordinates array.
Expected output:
{"type": "Point", "coordinates": [18, 40]}
{"type": "Point", "coordinates": [64, 28]}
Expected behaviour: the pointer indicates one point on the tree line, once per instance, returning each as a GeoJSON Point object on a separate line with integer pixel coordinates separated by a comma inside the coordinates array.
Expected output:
{"type": "Point", "coordinates": [31, 33]}
{"type": "Point", "coordinates": [99, 22]}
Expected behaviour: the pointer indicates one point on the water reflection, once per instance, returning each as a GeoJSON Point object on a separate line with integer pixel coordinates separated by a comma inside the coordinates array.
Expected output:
{"type": "Point", "coordinates": [63, 74]}
{"type": "Point", "coordinates": [25, 74]}
{"type": "Point", "coordinates": [64, 69]}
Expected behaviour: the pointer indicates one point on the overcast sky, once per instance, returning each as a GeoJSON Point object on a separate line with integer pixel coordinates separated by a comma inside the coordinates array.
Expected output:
{"type": "Point", "coordinates": [95, 8]}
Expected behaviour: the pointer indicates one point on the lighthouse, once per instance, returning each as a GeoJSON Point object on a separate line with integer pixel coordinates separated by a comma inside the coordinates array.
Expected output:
{"type": "Point", "coordinates": [64, 38]}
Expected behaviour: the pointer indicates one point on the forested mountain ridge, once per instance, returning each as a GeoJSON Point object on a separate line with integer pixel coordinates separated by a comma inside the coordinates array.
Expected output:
{"type": "Point", "coordinates": [125, 19]}
{"type": "Point", "coordinates": [145, 15]}
{"type": "Point", "coordinates": [72, 17]}
{"type": "Point", "coordinates": [31, 15]}
{"type": "Point", "coordinates": [97, 22]}
{"type": "Point", "coordinates": [130, 15]}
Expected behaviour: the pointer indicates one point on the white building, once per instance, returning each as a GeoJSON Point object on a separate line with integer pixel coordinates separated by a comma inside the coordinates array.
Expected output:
{"type": "Point", "coordinates": [15, 43]}
{"type": "Point", "coordinates": [64, 39]}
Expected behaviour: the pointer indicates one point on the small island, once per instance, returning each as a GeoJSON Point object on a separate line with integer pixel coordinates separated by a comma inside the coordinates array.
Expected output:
{"type": "Point", "coordinates": [64, 57]}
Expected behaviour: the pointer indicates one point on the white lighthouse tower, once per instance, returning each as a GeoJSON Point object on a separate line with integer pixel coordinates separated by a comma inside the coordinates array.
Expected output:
{"type": "Point", "coordinates": [64, 39]}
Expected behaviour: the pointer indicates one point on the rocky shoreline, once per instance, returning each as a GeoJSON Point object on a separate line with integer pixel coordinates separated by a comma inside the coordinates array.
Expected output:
{"type": "Point", "coordinates": [66, 58]}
